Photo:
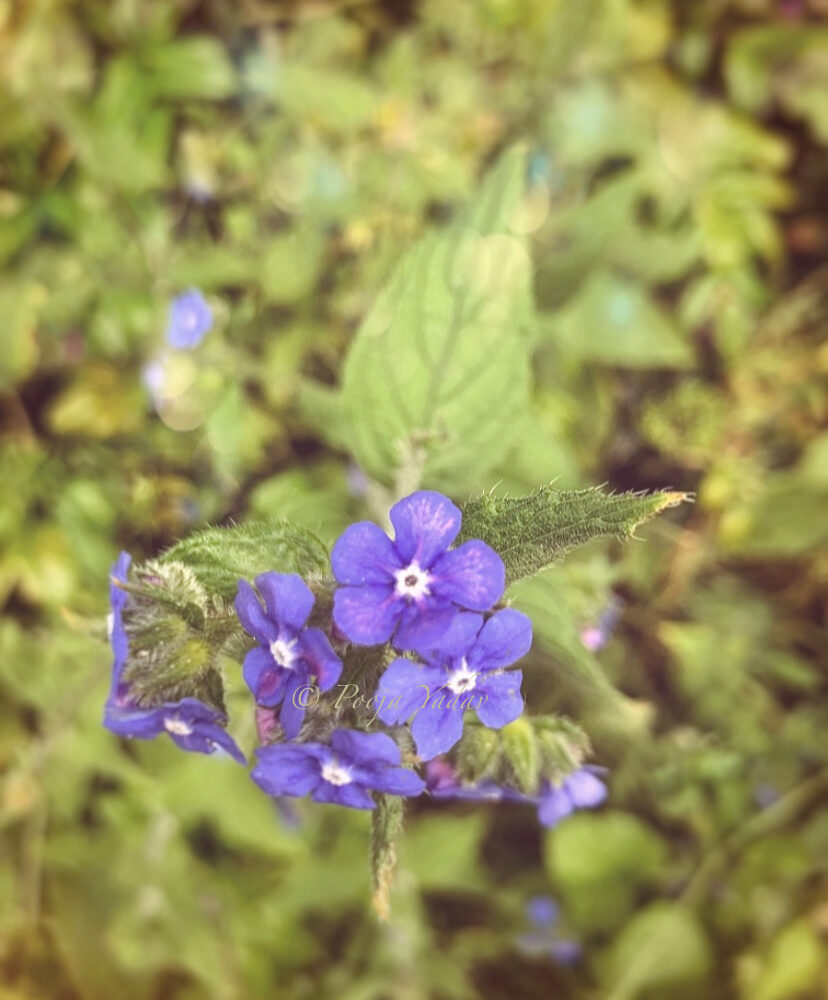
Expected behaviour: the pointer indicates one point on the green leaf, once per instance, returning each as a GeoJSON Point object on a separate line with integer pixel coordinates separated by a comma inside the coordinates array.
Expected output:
{"type": "Point", "coordinates": [662, 948]}
{"type": "Point", "coordinates": [220, 557]}
{"type": "Point", "coordinates": [191, 67]}
{"type": "Point", "coordinates": [437, 375]}
{"type": "Point", "coordinates": [792, 964]}
{"type": "Point", "coordinates": [337, 100]}
{"type": "Point", "coordinates": [614, 322]}
{"type": "Point", "coordinates": [20, 304]}
{"type": "Point", "coordinates": [599, 860]}
{"type": "Point", "coordinates": [533, 531]}
{"type": "Point", "coordinates": [290, 265]}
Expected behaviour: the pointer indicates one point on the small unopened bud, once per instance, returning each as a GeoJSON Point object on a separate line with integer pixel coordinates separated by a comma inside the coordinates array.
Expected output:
{"type": "Point", "coordinates": [520, 747]}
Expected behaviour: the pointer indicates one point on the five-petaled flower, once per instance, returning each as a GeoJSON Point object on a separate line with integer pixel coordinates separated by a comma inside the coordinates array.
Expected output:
{"type": "Point", "coordinates": [191, 724]}
{"type": "Point", "coordinates": [464, 669]}
{"type": "Point", "coordinates": [410, 588]}
{"type": "Point", "coordinates": [289, 654]}
{"type": "Point", "coordinates": [345, 773]}
{"type": "Point", "coordinates": [189, 320]}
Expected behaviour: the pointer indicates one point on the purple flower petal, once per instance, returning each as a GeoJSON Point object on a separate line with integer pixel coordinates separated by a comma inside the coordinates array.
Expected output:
{"type": "Point", "coordinates": [554, 806]}
{"type": "Point", "coordinates": [134, 723]}
{"type": "Point", "coordinates": [367, 615]}
{"type": "Point", "coordinates": [293, 711]}
{"type": "Point", "coordinates": [404, 688]}
{"type": "Point", "coordinates": [287, 770]}
{"type": "Point", "coordinates": [189, 723]}
{"type": "Point", "coordinates": [287, 597]}
{"type": "Point", "coordinates": [436, 727]}
{"type": "Point", "coordinates": [364, 554]}
{"type": "Point", "coordinates": [423, 626]}
{"type": "Point", "coordinates": [117, 632]}
{"type": "Point", "coordinates": [206, 739]}
{"type": "Point", "coordinates": [504, 639]}
{"type": "Point", "coordinates": [585, 790]}
{"type": "Point", "coordinates": [264, 677]}
{"type": "Point", "coordinates": [503, 701]}
{"type": "Point", "coordinates": [322, 661]}
{"type": "Point", "coordinates": [455, 642]}
{"type": "Point", "coordinates": [472, 576]}
{"type": "Point", "coordinates": [365, 748]}
{"type": "Point", "coordinates": [397, 781]}
{"type": "Point", "coordinates": [351, 795]}
{"type": "Point", "coordinates": [252, 616]}
{"type": "Point", "coordinates": [425, 524]}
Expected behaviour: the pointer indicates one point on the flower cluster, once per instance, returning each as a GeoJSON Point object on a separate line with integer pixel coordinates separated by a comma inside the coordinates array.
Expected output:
{"type": "Point", "coordinates": [191, 723]}
{"type": "Point", "coordinates": [418, 620]}
{"type": "Point", "coordinates": [289, 653]}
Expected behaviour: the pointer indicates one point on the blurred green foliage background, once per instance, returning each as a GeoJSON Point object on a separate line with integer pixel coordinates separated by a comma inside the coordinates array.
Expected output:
{"type": "Point", "coordinates": [282, 157]}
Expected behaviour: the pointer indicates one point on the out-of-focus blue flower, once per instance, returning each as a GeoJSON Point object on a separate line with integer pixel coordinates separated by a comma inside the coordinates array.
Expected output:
{"type": "Point", "coordinates": [542, 911]}
{"type": "Point", "coordinates": [411, 588]}
{"type": "Point", "coordinates": [344, 773]}
{"type": "Point", "coordinates": [463, 670]}
{"type": "Point", "coordinates": [595, 637]}
{"type": "Point", "coordinates": [189, 722]}
{"type": "Point", "coordinates": [356, 480]}
{"type": "Point", "coordinates": [543, 914]}
{"type": "Point", "coordinates": [289, 654]}
{"type": "Point", "coordinates": [582, 789]}
{"type": "Point", "coordinates": [765, 795]}
{"type": "Point", "coordinates": [190, 318]}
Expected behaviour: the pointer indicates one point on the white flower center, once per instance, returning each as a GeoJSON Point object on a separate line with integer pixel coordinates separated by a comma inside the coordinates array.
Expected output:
{"type": "Point", "coordinates": [110, 625]}
{"type": "Point", "coordinates": [282, 652]}
{"type": "Point", "coordinates": [177, 726]}
{"type": "Point", "coordinates": [412, 582]}
{"type": "Point", "coordinates": [335, 774]}
{"type": "Point", "coordinates": [462, 679]}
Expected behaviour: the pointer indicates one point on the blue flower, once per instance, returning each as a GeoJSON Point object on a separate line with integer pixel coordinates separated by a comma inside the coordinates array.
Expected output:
{"type": "Point", "coordinates": [543, 914]}
{"type": "Point", "coordinates": [289, 654]}
{"type": "Point", "coordinates": [191, 724]}
{"type": "Point", "coordinates": [582, 789]}
{"type": "Point", "coordinates": [345, 773]}
{"type": "Point", "coordinates": [542, 911]}
{"type": "Point", "coordinates": [411, 588]}
{"type": "Point", "coordinates": [463, 670]}
{"type": "Point", "coordinates": [595, 637]}
{"type": "Point", "coordinates": [190, 318]}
